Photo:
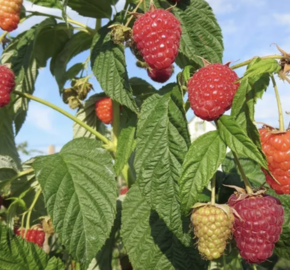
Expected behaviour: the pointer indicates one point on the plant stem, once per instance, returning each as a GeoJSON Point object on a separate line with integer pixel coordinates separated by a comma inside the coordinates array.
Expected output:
{"type": "Point", "coordinates": [116, 122]}
{"type": "Point", "coordinates": [108, 143]}
{"type": "Point", "coordinates": [275, 56]}
{"type": "Point", "coordinates": [29, 211]}
{"type": "Point", "coordinates": [281, 119]}
{"type": "Point", "coordinates": [20, 174]}
{"type": "Point", "coordinates": [213, 185]}
{"type": "Point", "coordinates": [244, 177]}
{"type": "Point", "coordinates": [135, 9]}
{"type": "Point", "coordinates": [98, 24]}
{"type": "Point", "coordinates": [36, 13]}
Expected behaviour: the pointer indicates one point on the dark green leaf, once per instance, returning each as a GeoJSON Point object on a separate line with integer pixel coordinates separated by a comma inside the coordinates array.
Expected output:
{"type": "Point", "coordinates": [201, 162]}
{"type": "Point", "coordinates": [79, 190]}
{"type": "Point", "coordinates": [50, 40]}
{"type": "Point", "coordinates": [24, 65]}
{"type": "Point", "coordinates": [125, 147]}
{"type": "Point", "coordinates": [78, 43]}
{"type": "Point", "coordinates": [149, 242]}
{"type": "Point", "coordinates": [92, 8]}
{"type": "Point", "coordinates": [47, 3]}
{"type": "Point", "coordinates": [162, 142]}
{"type": "Point", "coordinates": [109, 66]}
{"type": "Point", "coordinates": [237, 140]}
{"type": "Point", "coordinates": [201, 36]}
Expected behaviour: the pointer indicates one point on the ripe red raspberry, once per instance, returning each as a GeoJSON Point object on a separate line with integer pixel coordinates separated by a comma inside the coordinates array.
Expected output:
{"type": "Point", "coordinates": [7, 83]}
{"type": "Point", "coordinates": [259, 226]}
{"type": "Point", "coordinates": [124, 190]}
{"type": "Point", "coordinates": [157, 34]}
{"type": "Point", "coordinates": [10, 14]}
{"type": "Point", "coordinates": [104, 110]}
{"type": "Point", "coordinates": [211, 91]}
{"type": "Point", "coordinates": [35, 236]}
{"type": "Point", "coordinates": [276, 149]}
{"type": "Point", "coordinates": [160, 75]}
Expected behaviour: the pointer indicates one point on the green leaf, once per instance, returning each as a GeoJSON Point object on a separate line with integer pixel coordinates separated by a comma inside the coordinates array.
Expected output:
{"type": "Point", "coordinates": [149, 242]}
{"type": "Point", "coordinates": [109, 66]}
{"type": "Point", "coordinates": [282, 247]}
{"type": "Point", "coordinates": [87, 114]}
{"type": "Point", "coordinates": [50, 40]}
{"type": "Point", "coordinates": [78, 43]}
{"type": "Point", "coordinates": [79, 190]}
{"type": "Point", "coordinates": [261, 67]}
{"type": "Point", "coordinates": [47, 3]}
{"type": "Point", "coordinates": [237, 140]}
{"type": "Point", "coordinates": [20, 54]}
{"type": "Point", "coordinates": [92, 8]}
{"type": "Point", "coordinates": [201, 162]}
{"type": "Point", "coordinates": [19, 254]}
{"type": "Point", "coordinates": [125, 147]}
{"type": "Point", "coordinates": [105, 255]}
{"type": "Point", "coordinates": [9, 158]}
{"type": "Point", "coordinates": [162, 142]}
{"type": "Point", "coordinates": [201, 34]}
{"type": "Point", "coordinates": [141, 89]}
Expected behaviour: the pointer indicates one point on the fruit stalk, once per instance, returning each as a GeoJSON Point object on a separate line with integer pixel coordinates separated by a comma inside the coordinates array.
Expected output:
{"type": "Point", "coordinates": [109, 144]}
{"type": "Point", "coordinates": [281, 119]}
{"type": "Point", "coordinates": [213, 187]}
{"type": "Point", "coordinates": [135, 9]}
{"type": "Point", "coordinates": [244, 177]}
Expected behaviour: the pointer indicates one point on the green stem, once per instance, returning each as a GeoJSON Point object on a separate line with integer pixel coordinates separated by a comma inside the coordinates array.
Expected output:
{"type": "Point", "coordinates": [213, 186]}
{"type": "Point", "coordinates": [245, 63]}
{"type": "Point", "coordinates": [8, 181]}
{"type": "Point", "coordinates": [29, 211]}
{"type": "Point", "coordinates": [244, 177]}
{"type": "Point", "coordinates": [36, 13]}
{"type": "Point", "coordinates": [128, 176]}
{"type": "Point", "coordinates": [109, 144]}
{"type": "Point", "coordinates": [116, 122]}
{"type": "Point", "coordinates": [281, 119]}
{"type": "Point", "coordinates": [98, 24]}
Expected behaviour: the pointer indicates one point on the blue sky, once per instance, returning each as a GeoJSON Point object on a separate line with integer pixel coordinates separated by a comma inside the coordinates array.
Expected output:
{"type": "Point", "coordinates": [250, 27]}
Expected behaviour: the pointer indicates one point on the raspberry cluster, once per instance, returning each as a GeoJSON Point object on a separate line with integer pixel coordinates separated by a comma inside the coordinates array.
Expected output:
{"type": "Point", "coordinates": [10, 14]}
{"type": "Point", "coordinates": [276, 149]}
{"type": "Point", "coordinates": [156, 35]}
{"type": "Point", "coordinates": [258, 225]}
{"type": "Point", "coordinates": [104, 110]}
{"type": "Point", "coordinates": [7, 83]}
{"type": "Point", "coordinates": [211, 91]}
{"type": "Point", "coordinates": [35, 236]}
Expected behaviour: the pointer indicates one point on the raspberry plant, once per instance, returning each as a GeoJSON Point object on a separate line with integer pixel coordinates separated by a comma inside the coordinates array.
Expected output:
{"type": "Point", "coordinates": [131, 190]}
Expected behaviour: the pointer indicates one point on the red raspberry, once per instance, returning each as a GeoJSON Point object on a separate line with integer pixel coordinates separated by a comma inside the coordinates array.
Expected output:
{"type": "Point", "coordinates": [276, 149]}
{"type": "Point", "coordinates": [160, 75]}
{"type": "Point", "coordinates": [157, 34]}
{"type": "Point", "coordinates": [10, 14]}
{"type": "Point", "coordinates": [35, 236]}
{"type": "Point", "coordinates": [7, 83]}
{"type": "Point", "coordinates": [211, 91]}
{"type": "Point", "coordinates": [259, 226]}
{"type": "Point", "coordinates": [104, 110]}
{"type": "Point", "coordinates": [124, 190]}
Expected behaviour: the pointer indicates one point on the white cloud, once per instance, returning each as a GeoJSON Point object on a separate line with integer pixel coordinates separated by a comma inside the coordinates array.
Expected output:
{"type": "Point", "coordinates": [41, 117]}
{"type": "Point", "coordinates": [282, 19]}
